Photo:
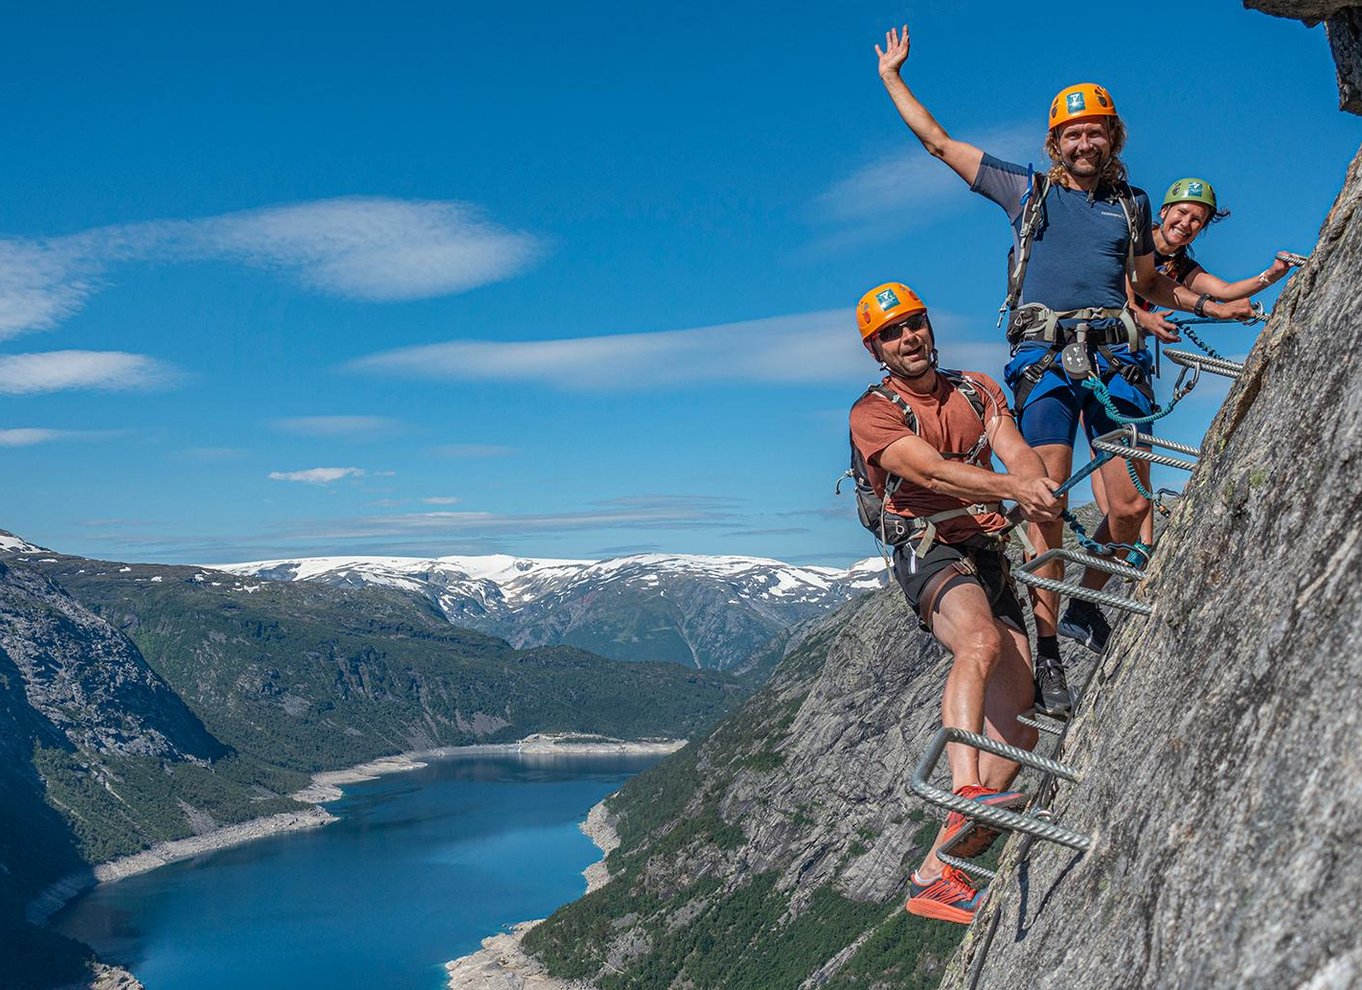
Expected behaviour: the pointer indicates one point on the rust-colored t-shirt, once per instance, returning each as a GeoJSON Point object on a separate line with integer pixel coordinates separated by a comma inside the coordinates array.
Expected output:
{"type": "Point", "coordinates": [948, 422]}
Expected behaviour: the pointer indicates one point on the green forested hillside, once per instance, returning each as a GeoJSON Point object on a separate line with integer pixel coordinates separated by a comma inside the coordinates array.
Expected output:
{"type": "Point", "coordinates": [307, 677]}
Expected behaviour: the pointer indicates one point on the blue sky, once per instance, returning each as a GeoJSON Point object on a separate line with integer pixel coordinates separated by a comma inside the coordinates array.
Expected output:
{"type": "Point", "coordinates": [553, 280]}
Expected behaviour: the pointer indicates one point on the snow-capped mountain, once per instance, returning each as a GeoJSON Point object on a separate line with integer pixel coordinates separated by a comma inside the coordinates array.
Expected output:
{"type": "Point", "coordinates": [713, 612]}
{"type": "Point", "coordinates": [9, 543]}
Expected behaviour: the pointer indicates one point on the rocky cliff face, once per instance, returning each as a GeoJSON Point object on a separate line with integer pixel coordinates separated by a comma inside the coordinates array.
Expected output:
{"type": "Point", "coordinates": [75, 694]}
{"type": "Point", "coordinates": [87, 681]}
{"type": "Point", "coordinates": [1219, 744]}
{"type": "Point", "coordinates": [775, 852]}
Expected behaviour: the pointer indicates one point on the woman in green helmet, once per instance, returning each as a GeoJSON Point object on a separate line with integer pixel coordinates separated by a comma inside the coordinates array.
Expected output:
{"type": "Point", "coordinates": [1188, 208]}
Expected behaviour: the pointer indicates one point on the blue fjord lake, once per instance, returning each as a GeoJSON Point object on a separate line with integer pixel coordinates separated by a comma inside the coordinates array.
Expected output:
{"type": "Point", "coordinates": [421, 867]}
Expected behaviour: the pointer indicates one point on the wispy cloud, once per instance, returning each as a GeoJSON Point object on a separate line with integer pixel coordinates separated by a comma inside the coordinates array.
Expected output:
{"type": "Point", "coordinates": [32, 436]}
{"type": "Point", "coordinates": [318, 476]}
{"type": "Point", "coordinates": [818, 347]}
{"type": "Point", "coordinates": [366, 248]}
{"type": "Point", "coordinates": [347, 427]}
{"type": "Point", "coordinates": [440, 500]}
{"type": "Point", "coordinates": [54, 371]}
{"type": "Point", "coordinates": [904, 190]}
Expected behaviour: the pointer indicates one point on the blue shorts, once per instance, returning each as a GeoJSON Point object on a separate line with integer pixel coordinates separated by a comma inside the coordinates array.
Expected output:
{"type": "Point", "coordinates": [1056, 403]}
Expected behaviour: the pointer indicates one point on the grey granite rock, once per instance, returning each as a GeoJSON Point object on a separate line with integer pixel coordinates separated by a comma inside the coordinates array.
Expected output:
{"type": "Point", "coordinates": [1220, 743]}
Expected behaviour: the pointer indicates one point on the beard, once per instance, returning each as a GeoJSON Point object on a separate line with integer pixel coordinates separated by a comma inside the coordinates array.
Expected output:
{"type": "Point", "coordinates": [1085, 167]}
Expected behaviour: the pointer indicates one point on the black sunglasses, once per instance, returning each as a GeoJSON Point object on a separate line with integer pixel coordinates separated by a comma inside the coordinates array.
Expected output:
{"type": "Point", "coordinates": [894, 331]}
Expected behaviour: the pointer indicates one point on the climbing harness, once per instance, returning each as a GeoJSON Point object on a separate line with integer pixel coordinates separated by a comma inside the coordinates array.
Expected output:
{"type": "Point", "coordinates": [1033, 220]}
{"type": "Point", "coordinates": [891, 529]}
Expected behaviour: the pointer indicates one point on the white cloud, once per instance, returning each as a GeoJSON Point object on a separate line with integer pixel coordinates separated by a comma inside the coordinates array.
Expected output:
{"type": "Point", "coordinates": [371, 248]}
{"type": "Point", "coordinates": [32, 436]}
{"type": "Point", "coordinates": [367, 248]}
{"type": "Point", "coordinates": [351, 427]}
{"type": "Point", "coordinates": [440, 500]}
{"type": "Point", "coordinates": [899, 191]}
{"type": "Point", "coordinates": [318, 476]}
{"type": "Point", "coordinates": [820, 347]}
{"type": "Point", "coordinates": [53, 371]}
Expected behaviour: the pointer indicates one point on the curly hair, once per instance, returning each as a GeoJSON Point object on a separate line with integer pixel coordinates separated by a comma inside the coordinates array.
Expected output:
{"type": "Point", "coordinates": [1113, 171]}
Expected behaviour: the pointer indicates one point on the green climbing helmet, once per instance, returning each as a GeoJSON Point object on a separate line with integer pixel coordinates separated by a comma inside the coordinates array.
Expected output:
{"type": "Point", "coordinates": [1191, 190]}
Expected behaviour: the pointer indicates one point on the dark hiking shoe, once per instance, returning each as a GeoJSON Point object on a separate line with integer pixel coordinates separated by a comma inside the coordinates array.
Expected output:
{"type": "Point", "coordinates": [1053, 697]}
{"type": "Point", "coordinates": [1085, 624]}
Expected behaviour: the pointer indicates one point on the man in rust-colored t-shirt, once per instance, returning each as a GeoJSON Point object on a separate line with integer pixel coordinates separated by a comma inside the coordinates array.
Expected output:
{"type": "Point", "coordinates": [934, 434]}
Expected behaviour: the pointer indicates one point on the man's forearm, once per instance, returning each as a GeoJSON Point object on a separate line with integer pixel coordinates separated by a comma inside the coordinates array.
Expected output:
{"type": "Point", "coordinates": [919, 120]}
{"type": "Point", "coordinates": [966, 481]}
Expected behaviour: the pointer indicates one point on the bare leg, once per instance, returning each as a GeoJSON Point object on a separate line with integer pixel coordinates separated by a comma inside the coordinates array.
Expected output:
{"type": "Point", "coordinates": [1128, 513]}
{"type": "Point", "coordinates": [988, 687]}
{"type": "Point", "coordinates": [1058, 460]}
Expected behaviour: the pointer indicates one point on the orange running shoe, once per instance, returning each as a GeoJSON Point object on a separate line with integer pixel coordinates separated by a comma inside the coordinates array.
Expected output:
{"type": "Point", "coordinates": [982, 837]}
{"type": "Point", "coordinates": [949, 897]}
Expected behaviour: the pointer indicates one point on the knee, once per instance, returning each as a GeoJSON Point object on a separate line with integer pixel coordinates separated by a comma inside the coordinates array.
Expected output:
{"type": "Point", "coordinates": [981, 649]}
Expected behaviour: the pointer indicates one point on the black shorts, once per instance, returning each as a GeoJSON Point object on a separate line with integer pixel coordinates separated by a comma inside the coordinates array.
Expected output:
{"type": "Point", "coordinates": [946, 563]}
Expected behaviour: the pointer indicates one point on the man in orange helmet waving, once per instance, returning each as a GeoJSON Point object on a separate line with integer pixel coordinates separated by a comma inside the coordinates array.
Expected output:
{"type": "Point", "coordinates": [923, 439]}
{"type": "Point", "coordinates": [1079, 232]}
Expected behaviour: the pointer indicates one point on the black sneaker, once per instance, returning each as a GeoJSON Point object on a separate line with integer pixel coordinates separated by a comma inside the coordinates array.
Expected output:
{"type": "Point", "coordinates": [1085, 624]}
{"type": "Point", "coordinates": [1052, 690]}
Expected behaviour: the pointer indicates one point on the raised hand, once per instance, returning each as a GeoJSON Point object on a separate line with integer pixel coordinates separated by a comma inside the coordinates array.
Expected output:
{"type": "Point", "coordinates": [895, 51]}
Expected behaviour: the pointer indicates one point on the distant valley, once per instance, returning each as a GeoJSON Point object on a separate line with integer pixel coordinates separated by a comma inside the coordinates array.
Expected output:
{"type": "Point", "coordinates": [150, 702]}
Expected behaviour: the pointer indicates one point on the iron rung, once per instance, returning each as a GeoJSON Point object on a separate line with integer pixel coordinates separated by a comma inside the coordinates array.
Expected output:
{"type": "Point", "coordinates": [997, 817]}
{"type": "Point", "coordinates": [1216, 366]}
{"type": "Point", "coordinates": [1087, 594]}
{"type": "Point", "coordinates": [1087, 560]}
{"type": "Point", "coordinates": [1052, 728]}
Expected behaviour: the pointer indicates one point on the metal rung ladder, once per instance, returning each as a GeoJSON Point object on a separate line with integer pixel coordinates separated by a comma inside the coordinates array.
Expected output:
{"type": "Point", "coordinates": [1025, 573]}
{"type": "Point", "coordinates": [1204, 362]}
{"type": "Point", "coordinates": [1127, 442]}
{"type": "Point", "coordinates": [1038, 825]}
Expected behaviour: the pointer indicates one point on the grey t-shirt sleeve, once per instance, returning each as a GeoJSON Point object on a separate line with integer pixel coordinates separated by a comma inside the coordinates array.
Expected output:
{"type": "Point", "coordinates": [1144, 233]}
{"type": "Point", "coordinates": [1005, 183]}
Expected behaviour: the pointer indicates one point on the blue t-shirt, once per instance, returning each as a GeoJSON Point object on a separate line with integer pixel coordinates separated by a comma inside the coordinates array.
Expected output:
{"type": "Point", "coordinates": [1078, 256]}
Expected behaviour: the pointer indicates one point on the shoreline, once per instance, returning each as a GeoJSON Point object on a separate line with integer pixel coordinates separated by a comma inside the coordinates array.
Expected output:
{"type": "Point", "coordinates": [502, 963]}
{"type": "Point", "coordinates": [325, 787]}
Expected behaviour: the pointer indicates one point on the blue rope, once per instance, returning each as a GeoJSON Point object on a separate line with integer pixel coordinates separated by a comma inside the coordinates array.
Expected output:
{"type": "Point", "coordinates": [1081, 535]}
{"type": "Point", "coordinates": [1099, 389]}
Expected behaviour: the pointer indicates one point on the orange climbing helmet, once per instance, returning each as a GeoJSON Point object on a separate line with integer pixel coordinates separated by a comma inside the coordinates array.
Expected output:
{"type": "Point", "coordinates": [884, 304]}
{"type": "Point", "coordinates": [1082, 100]}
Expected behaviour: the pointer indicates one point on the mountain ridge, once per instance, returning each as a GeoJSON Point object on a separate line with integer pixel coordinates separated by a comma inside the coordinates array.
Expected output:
{"type": "Point", "coordinates": [711, 612]}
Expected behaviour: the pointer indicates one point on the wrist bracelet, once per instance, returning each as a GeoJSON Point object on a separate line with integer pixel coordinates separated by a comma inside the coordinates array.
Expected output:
{"type": "Point", "coordinates": [1263, 280]}
{"type": "Point", "coordinates": [1200, 308]}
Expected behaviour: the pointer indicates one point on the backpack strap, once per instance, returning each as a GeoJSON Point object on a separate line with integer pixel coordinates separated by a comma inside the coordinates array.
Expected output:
{"type": "Point", "coordinates": [1125, 196]}
{"type": "Point", "coordinates": [1032, 219]}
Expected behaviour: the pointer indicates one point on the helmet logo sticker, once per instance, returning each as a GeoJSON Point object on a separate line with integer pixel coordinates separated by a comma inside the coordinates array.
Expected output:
{"type": "Point", "coordinates": [1195, 189]}
{"type": "Point", "coordinates": [887, 299]}
{"type": "Point", "coordinates": [1074, 103]}
{"type": "Point", "coordinates": [1101, 95]}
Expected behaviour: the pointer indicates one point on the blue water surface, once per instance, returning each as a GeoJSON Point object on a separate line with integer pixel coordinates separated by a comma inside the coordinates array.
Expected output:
{"type": "Point", "coordinates": [421, 867]}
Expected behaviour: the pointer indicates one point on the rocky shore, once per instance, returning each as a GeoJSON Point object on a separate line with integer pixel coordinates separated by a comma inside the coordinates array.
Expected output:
{"type": "Point", "coordinates": [502, 963]}
{"type": "Point", "coordinates": [325, 787]}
